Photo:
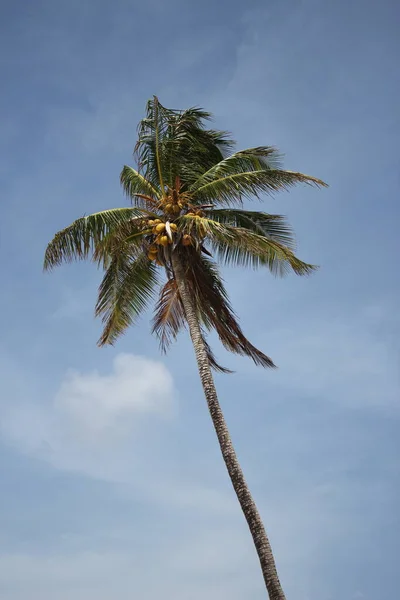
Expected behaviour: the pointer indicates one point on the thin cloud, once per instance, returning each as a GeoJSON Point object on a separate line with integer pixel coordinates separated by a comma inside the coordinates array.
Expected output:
{"type": "Point", "coordinates": [93, 417]}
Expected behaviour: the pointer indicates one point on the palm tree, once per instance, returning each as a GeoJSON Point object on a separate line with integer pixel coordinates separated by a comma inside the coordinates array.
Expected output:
{"type": "Point", "coordinates": [187, 208]}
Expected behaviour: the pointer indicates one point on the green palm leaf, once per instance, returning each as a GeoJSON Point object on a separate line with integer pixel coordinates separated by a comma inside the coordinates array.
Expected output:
{"type": "Point", "coordinates": [256, 253]}
{"type": "Point", "coordinates": [235, 187]}
{"type": "Point", "coordinates": [174, 143]}
{"type": "Point", "coordinates": [274, 227]}
{"type": "Point", "coordinates": [244, 247]}
{"type": "Point", "coordinates": [80, 240]}
{"type": "Point", "coordinates": [136, 185]}
{"type": "Point", "coordinates": [251, 159]}
{"type": "Point", "coordinates": [125, 291]}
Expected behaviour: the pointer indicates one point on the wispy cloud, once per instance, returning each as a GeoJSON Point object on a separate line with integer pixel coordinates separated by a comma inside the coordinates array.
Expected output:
{"type": "Point", "coordinates": [92, 418]}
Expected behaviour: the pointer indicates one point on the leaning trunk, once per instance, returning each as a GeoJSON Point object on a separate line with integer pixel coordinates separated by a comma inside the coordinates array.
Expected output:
{"type": "Point", "coordinates": [246, 501]}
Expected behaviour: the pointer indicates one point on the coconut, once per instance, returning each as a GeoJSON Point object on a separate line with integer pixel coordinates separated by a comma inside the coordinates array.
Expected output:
{"type": "Point", "coordinates": [186, 240]}
{"type": "Point", "coordinates": [176, 209]}
{"type": "Point", "coordinates": [150, 222]}
{"type": "Point", "coordinates": [164, 240]}
{"type": "Point", "coordinates": [173, 226]}
{"type": "Point", "coordinates": [169, 207]}
{"type": "Point", "coordinates": [160, 227]}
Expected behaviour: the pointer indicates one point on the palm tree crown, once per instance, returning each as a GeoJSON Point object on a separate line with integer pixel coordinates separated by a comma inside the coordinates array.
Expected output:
{"type": "Point", "coordinates": [187, 200]}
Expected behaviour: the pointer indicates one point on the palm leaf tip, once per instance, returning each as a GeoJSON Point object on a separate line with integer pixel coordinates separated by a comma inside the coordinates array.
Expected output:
{"type": "Point", "coordinates": [214, 364]}
{"type": "Point", "coordinates": [169, 317]}
{"type": "Point", "coordinates": [85, 236]}
{"type": "Point", "coordinates": [125, 291]}
{"type": "Point", "coordinates": [214, 309]}
{"type": "Point", "coordinates": [48, 262]}
{"type": "Point", "coordinates": [309, 180]}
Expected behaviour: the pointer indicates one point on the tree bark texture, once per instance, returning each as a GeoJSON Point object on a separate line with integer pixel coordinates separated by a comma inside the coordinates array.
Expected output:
{"type": "Point", "coordinates": [243, 494]}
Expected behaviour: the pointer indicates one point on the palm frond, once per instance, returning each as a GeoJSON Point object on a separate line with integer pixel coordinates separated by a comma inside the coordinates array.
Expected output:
{"type": "Point", "coordinates": [213, 308]}
{"type": "Point", "coordinates": [136, 186]}
{"type": "Point", "coordinates": [169, 317]}
{"type": "Point", "coordinates": [83, 236]}
{"type": "Point", "coordinates": [151, 132]}
{"type": "Point", "coordinates": [242, 161]}
{"type": "Point", "coordinates": [245, 248]}
{"type": "Point", "coordinates": [274, 227]}
{"type": "Point", "coordinates": [193, 149]}
{"type": "Point", "coordinates": [236, 187]}
{"type": "Point", "coordinates": [175, 143]}
{"type": "Point", "coordinates": [241, 246]}
{"type": "Point", "coordinates": [125, 291]}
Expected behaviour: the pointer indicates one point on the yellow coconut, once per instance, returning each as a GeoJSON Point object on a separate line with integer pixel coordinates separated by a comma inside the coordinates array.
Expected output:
{"type": "Point", "coordinates": [173, 226]}
{"type": "Point", "coordinates": [176, 209]}
{"type": "Point", "coordinates": [186, 240]}
{"type": "Point", "coordinates": [156, 221]}
{"type": "Point", "coordinates": [152, 256]}
{"type": "Point", "coordinates": [164, 240]}
{"type": "Point", "coordinates": [169, 208]}
{"type": "Point", "coordinates": [150, 222]}
{"type": "Point", "coordinates": [160, 227]}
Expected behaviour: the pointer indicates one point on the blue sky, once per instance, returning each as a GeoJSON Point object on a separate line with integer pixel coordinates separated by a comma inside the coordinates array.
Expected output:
{"type": "Point", "coordinates": [111, 479]}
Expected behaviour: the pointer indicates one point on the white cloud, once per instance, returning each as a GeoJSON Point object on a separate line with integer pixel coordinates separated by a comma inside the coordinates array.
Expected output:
{"type": "Point", "coordinates": [105, 404]}
{"type": "Point", "coordinates": [104, 425]}
{"type": "Point", "coordinates": [94, 418]}
{"type": "Point", "coordinates": [118, 427]}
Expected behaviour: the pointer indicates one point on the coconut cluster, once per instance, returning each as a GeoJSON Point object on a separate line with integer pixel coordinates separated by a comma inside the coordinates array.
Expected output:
{"type": "Point", "coordinates": [172, 206]}
{"type": "Point", "coordinates": [161, 238]}
{"type": "Point", "coordinates": [173, 203]}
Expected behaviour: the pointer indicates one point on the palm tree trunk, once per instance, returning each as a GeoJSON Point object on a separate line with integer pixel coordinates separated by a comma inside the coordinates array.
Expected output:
{"type": "Point", "coordinates": [243, 494]}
